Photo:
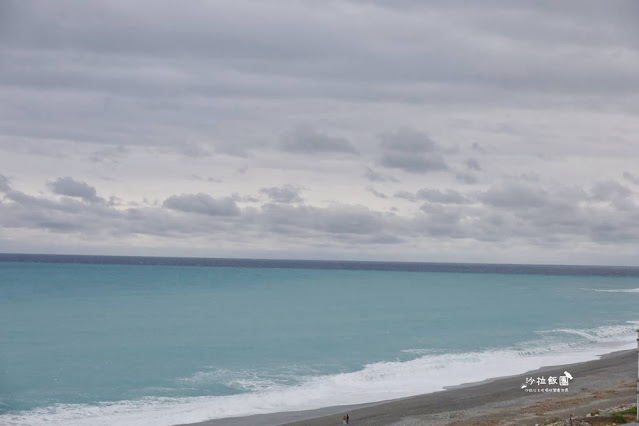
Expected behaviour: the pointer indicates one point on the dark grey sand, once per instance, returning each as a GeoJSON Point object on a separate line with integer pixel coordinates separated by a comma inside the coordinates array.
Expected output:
{"type": "Point", "coordinates": [600, 384]}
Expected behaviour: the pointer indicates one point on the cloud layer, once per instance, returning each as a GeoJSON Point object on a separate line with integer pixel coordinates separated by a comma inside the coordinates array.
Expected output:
{"type": "Point", "coordinates": [354, 129]}
{"type": "Point", "coordinates": [543, 218]}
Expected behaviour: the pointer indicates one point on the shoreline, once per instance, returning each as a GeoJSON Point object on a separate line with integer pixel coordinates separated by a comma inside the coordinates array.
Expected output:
{"type": "Point", "coordinates": [598, 384]}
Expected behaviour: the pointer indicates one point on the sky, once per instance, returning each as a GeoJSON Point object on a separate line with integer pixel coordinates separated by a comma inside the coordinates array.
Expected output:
{"type": "Point", "coordinates": [502, 132]}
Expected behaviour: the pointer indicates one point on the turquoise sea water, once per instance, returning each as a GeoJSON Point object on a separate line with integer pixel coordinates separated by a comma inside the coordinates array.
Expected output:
{"type": "Point", "coordinates": [161, 344]}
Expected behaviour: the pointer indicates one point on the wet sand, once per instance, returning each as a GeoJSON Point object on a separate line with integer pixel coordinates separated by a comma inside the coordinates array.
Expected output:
{"type": "Point", "coordinates": [597, 385]}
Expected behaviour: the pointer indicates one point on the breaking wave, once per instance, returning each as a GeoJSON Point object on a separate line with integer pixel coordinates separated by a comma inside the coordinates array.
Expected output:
{"type": "Point", "coordinates": [428, 372]}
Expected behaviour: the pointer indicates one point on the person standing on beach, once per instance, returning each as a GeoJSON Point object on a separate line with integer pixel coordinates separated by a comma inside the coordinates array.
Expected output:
{"type": "Point", "coordinates": [347, 419]}
{"type": "Point", "coordinates": [344, 420]}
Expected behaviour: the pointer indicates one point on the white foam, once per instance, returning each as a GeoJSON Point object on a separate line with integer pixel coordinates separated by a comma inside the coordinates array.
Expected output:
{"type": "Point", "coordinates": [618, 290]}
{"type": "Point", "coordinates": [603, 334]}
{"type": "Point", "coordinates": [375, 382]}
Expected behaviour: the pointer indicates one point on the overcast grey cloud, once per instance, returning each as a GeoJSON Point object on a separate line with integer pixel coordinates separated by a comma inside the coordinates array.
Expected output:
{"type": "Point", "coordinates": [202, 203]}
{"type": "Point", "coordinates": [473, 164]}
{"type": "Point", "coordinates": [631, 177]}
{"type": "Point", "coordinates": [73, 188]}
{"type": "Point", "coordinates": [283, 194]}
{"type": "Point", "coordinates": [306, 140]}
{"type": "Point", "coordinates": [4, 184]}
{"type": "Point", "coordinates": [376, 193]}
{"type": "Point", "coordinates": [445, 197]}
{"type": "Point", "coordinates": [410, 151]}
{"type": "Point", "coordinates": [448, 196]}
{"type": "Point", "coordinates": [466, 178]}
{"type": "Point", "coordinates": [502, 213]}
{"type": "Point", "coordinates": [490, 131]}
{"type": "Point", "coordinates": [375, 176]}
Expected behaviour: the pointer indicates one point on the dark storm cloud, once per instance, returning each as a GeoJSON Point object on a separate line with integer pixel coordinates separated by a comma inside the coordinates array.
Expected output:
{"type": "Point", "coordinates": [283, 194]}
{"type": "Point", "coordinates": [203, 204]}
{"type": "Point", "coordinates": [72, 188]}
{"type": "Point", "coordinates": [305, 139]}
{"type": "Point", "coordinates": [411, 151]}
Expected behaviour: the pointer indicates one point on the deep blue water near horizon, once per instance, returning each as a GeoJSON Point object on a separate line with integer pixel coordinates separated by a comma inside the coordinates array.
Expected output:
{"type": "Point", "coordinates": [490, 268]}
{"type": "Point", "coordinates": [104, 340]}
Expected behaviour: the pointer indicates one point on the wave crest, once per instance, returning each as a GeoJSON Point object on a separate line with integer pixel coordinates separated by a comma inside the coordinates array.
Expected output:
{"type": "Point", "coordinates": [378, 381]}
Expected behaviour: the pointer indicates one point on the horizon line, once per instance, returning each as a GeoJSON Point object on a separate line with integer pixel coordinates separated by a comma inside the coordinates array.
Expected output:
{"type": "Point", "coordinates": [334, 261]}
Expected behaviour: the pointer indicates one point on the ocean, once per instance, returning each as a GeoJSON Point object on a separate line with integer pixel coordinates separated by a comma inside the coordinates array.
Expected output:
{"type": "Point", "coordinates": [158, 341]}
